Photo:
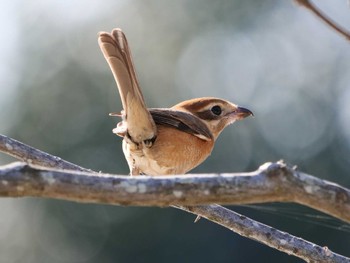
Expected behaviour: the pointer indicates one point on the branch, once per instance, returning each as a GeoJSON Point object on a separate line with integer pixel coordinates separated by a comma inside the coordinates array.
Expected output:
{"type": "Point", "coordinates": [34, 156]}
{"type": "Point", "coordinates": [267, 235]}
{"type": "Point", "coordinates": [308, 5]}
{"type": "Point", "coordinates": [20, 179]}
{"type": "Point", "coordinates": [273, 182]}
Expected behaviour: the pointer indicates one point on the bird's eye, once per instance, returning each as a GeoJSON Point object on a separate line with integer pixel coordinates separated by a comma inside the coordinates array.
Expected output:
{"type": "Point", "coordinates": [216, 110]}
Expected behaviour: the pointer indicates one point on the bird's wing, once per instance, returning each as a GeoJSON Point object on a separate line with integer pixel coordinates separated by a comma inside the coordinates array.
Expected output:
{"type": "Point", "coordinates": [182, 121]}
{"type": "Point", "coordinates": [115, 49]}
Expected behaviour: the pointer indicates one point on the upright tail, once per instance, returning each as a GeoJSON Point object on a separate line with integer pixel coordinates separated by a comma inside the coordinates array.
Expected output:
{"type": "Point", "coordinates": [115, 48]}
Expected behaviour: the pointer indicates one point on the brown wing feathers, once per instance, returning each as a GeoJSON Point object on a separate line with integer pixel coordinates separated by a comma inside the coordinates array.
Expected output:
{"type": "Point", "coordinates": [182, 121]}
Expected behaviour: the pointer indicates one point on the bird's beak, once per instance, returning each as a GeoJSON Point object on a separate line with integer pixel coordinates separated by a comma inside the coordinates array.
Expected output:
{"type": "Point", "coordinates": [242, 113]}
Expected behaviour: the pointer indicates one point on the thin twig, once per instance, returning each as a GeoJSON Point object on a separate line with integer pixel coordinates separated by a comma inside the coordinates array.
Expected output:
{"type": "Point", "coordinates": [308, 5]}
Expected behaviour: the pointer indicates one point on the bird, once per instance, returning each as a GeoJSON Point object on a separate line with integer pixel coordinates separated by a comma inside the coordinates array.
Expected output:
{"type": "Point", "coordinates": [163, 141]}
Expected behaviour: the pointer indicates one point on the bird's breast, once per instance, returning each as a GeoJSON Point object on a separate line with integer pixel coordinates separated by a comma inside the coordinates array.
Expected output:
{"type": "Point", "coordinates": [173, 152]}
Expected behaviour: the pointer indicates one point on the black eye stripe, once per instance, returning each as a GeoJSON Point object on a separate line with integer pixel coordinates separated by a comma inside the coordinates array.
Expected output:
{"type": "Point", "coordinates": [207, 115]}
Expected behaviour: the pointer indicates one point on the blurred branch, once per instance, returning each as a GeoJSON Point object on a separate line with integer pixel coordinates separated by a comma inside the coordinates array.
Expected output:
{"type": "Point", "coordinates": [310, 6]}
{"type": "Point", "coordinates": [272, 182]}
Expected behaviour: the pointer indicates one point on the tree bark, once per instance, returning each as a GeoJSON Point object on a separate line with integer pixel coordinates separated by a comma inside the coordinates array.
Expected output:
{"type": "Point", "coordinates": [271, 182]}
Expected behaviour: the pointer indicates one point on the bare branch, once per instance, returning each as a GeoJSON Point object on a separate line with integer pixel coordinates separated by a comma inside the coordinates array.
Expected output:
{"type": "Point", "coordinates": [21, 179]}
{"type": "Point", "coordinates": [267, 235]}
{"type": "Point", "coordinates": [34, 156]}
{"type": "Point", "coordinates": [310, 6]}
{"type": "Point", "coordinates": [273, 182]}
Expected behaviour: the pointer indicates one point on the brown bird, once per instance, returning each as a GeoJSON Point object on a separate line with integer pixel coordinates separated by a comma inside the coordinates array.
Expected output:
{"type": "Point", "coordinates": [163, 141]}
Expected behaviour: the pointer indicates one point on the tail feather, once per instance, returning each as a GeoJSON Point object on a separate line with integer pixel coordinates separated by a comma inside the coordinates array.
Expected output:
{"type": "Point", "coordinates": [115, 48]}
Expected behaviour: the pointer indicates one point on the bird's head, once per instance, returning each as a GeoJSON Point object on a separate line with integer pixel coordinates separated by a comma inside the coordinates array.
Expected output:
{"type": "Point", "coordinates": [215, 113]}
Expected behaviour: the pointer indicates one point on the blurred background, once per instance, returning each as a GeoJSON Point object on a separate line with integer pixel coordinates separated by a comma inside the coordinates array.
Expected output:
{"type": "Point", "coordinates": [272, 57]}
